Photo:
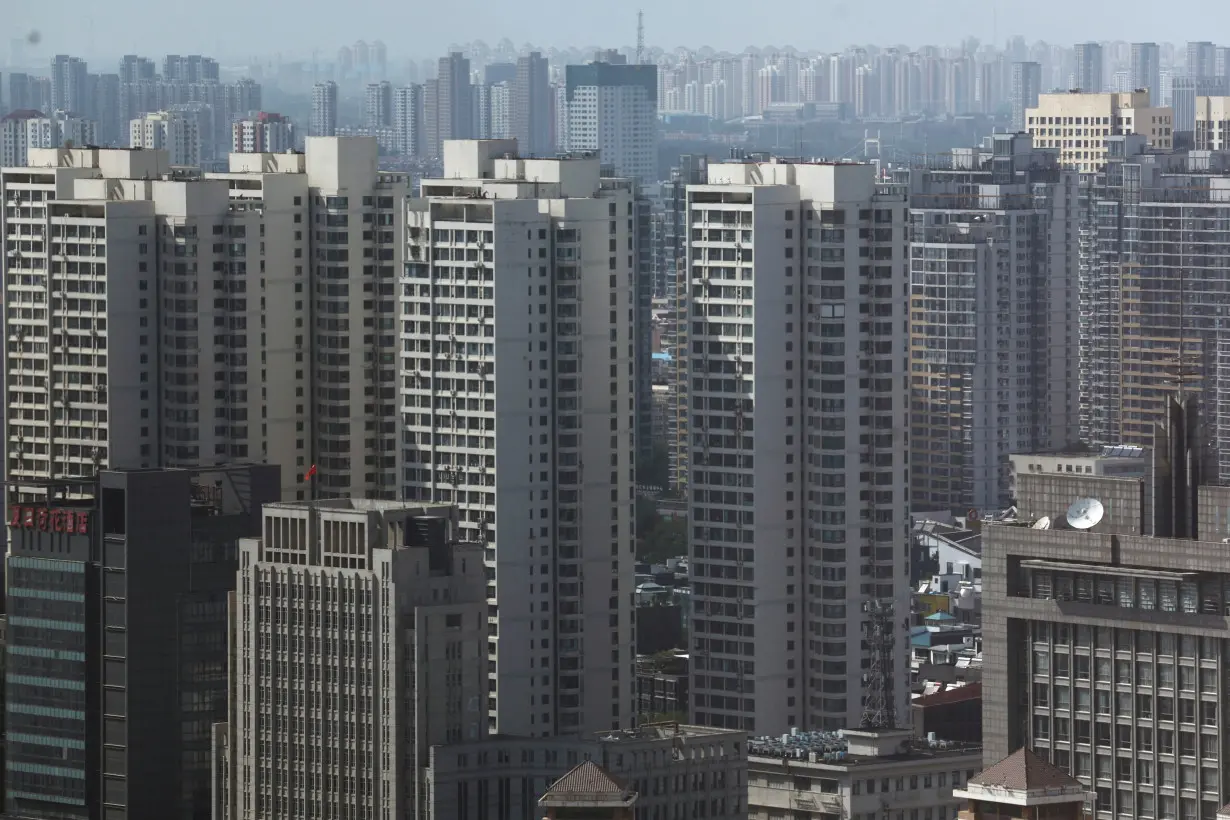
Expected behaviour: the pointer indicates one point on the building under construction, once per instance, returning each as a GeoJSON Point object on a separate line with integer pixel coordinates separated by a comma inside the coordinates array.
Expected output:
{"type": "Point", "coordinates": [1155, 293]}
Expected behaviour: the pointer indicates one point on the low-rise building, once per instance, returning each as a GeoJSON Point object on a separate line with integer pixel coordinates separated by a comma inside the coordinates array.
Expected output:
{"type": "Point", "coordinates": [676, 771]}
{"type": "Point", "coordinates": [857, 775]}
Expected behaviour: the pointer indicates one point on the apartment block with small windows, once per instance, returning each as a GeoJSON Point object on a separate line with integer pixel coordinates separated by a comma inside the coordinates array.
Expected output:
{"type": "Point", "coordinates": [516, 390]}
{"type": "Point", "coordinates": [165, 317]}
{"type": "Point", "coordinates": [797, 289]}
{"type": "Point", "coordinates": [356, 243]}
{"type": "Point", "coordinates": [1078, 124]}
{"type": "Point", "coordinates": [993, 319]}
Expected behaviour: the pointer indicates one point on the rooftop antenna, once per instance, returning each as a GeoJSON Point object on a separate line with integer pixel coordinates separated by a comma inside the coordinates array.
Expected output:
{"type": "Point", "coordinates": [640, 36]}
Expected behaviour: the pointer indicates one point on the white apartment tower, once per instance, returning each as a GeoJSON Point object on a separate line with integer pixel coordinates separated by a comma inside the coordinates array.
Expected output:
{"type": "Point", "coordinates": [145, 326]}
{"type": "Point", "coordinates": [408, 119]}
{"type": "Point", "coordinates": [324, 109]}
{"type": "Point", "coordinates": [22, 130]}
{"type": "Point", "coordinates": [358, 633]}
{"type": "Point", "coordinates": [378, 105]}
{"type": "Point", "coordinates": [517, 405]}
{"type": "Point", "coordinates": [265, 133]}
{"type": "Point", "coordinates": [799, 511]}
{"type": "Point", "coordinates": [158, 317]}
{"type": "Point", "coordinates": [358, 239]}
{"type": "Point", "coordinates": [177, 133]}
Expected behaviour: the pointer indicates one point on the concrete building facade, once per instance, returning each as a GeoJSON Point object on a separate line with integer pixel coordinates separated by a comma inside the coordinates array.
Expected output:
{"type": "Point", "coordinates": [860, 775]}
{"type": "Point", "coordinates": [678, 771]}
{"type": "Point", "coordinates": [612, 108]}
{"type": "Point", "coordinates": [117, 659]}
{"type": "Point", "coordinates": [517, 405]}
{"type": "Point", "coordinates": [1105, 646]}
{"type": "Point", "coordinates": [165, 318]}
{"type": "Point", "coordinates": [994, 319]}
{"type": "Point", "coordinates": [1078, 124]}
{"type": "Point", "coordinates": [797, 280]}
{"type": "Point", "coordinates": [266, 133]}
{"type": "Point", "coordinates": [359, 629]}
{"type": "Point", "coordinates": [179, 134]}
{"type": "Point", "coordinates": [324, 109]}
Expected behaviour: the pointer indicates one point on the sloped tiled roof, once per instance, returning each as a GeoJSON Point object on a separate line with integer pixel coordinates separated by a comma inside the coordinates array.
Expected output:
{"type": "Point", "coordinates": [1024, 771]}
{"type": "Point", "coordinates": [587, 778]}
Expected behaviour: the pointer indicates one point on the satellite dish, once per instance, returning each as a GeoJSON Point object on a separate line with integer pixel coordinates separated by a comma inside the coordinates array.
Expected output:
{"type": "Point", "coordinates": [1085, 513]}
{"type": "Point", "coordinates": [1043, 523]}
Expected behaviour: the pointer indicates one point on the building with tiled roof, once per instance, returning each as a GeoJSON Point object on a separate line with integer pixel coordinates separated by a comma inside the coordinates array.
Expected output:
{"type": "Point", "coordinates": [1020, 783]}
{"type": "Point", "coordinates": [591, 791]}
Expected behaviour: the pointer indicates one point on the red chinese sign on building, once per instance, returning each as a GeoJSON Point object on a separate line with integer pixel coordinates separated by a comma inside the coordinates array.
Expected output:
{"type": "Point", "coordinates": [49, 519]}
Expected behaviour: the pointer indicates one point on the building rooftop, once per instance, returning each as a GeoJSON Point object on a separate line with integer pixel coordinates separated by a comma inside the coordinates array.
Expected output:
{"type": "Point", "coordinates": [1025, 771]}
{"type": "Point", "coordinates": [588, 784]}
{"type": "Point", "coordinates": [357, 505]}
{"type": "Point", "coordinates": [950, 694]}
{"type": "Point", "coordinates": [835, 748]}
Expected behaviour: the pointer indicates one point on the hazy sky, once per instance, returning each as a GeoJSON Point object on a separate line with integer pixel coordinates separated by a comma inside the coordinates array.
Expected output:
{"type": "Point", "coordinates": [237, 28]}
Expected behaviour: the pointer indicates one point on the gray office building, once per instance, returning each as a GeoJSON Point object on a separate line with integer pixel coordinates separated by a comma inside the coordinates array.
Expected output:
{"type": "Point", "coordinates": [1088, 71]}
{"type": "Point", "coordinates": [1147, 70]}
{"type": "Point", "coordinates": [1026, 86]}
{"type": "Point", "coordinates": [1106, 642]}
{"type": "Point", "coordinates": [117, 651]}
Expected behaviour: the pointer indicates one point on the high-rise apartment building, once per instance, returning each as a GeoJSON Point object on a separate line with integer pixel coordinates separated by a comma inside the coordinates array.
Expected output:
{"type": "Point", "coordinates": [106, 111]}
{"type": "Point", "coordinates": [408, 119]}
{"type": "Point", "coordinates": [357, 259]}
{"type": "Point", "coordinates": [448, 105]}
{"type": "Point", "coordinates": [21, 131]}
{"type": "Point", "coordinates": [530, 106]}
{"type": "Point", "coordinates": [20, 96]}
{"type": "Point", "coordinates": [517, 405]}
{"type": "Point", "coordinates": [1026, 86]}
{"type": "Point", "coordinates": [1079, 124]}
{"type": "Point", "coordinates": [993, 332]}
{"type": "Point", "coordinates": [189, 68]}
{"type": "Point", "coordinates": [117, 588]}
{"type": "Point", "coordinates": [178, 133]}
{"type": "Point", "coordinates": [612, 108]}
{"type": "Point", "coordinates": [480, 100]}
{"type": "Point", "coordinates": [139, 380]}
{"type": "Point", "coordinates": [1201, 59]}
{"type": "Point", "coordinates": [1151, 309]}
{"type": "Point", "coordinates": [501, 99]}
{"type": "Point", "coordinates": [384, 615]}
{"type": "Point", "coordinates": [135, 69]}
{"type": "Point", "coordinates": [378, 105]}
{"type": "Point", "coordinates": [68, 84]}
{"type": "Point", "coordinates": [797, 280]}
{"type": "Point", "coordinates": [324, 109]}
{"type": "Point", "coordinates": [198, 347]}
{"type": "Point", "coordinates": [1146, 72]}
{"type": "Point", "coordinates": [266, 133]}
{"type": "Point", "coordinates": [1089, 67]}
{"type": "Point", "coordinates": [1104, 647]}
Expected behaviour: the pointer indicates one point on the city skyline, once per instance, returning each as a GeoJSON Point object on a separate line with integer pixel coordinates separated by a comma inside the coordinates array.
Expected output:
{"type": "Point", "coordinates": [133, 23]}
